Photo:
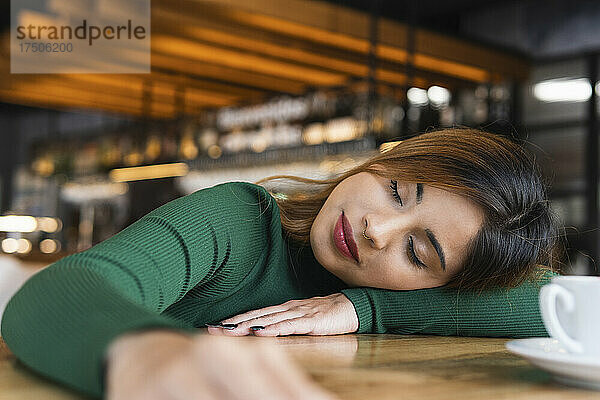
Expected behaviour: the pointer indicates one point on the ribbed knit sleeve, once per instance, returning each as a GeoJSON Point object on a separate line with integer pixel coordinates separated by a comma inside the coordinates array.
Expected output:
{"type": "Point", "coordinates": [62, 320]}
{"type": "Point", "coordinates": [443, 311]}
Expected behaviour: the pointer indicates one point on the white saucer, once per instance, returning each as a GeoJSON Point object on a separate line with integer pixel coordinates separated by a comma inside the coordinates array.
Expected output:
{"type": "Point", "coordinates": [567, 368]}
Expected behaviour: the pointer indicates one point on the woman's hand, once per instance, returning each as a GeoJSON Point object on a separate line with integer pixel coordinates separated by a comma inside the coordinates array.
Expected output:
{"type": "Point", "coordinates": [329, 315]}
{"type": "Point", "coordinates": [157, 365]}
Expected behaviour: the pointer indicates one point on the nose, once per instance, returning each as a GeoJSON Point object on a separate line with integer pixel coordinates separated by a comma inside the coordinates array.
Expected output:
{"type": "Point", "coordinates": [384, 229]}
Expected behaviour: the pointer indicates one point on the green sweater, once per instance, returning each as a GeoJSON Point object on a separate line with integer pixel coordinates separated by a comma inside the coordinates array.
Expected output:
{"type": "Point", "coordinates": [208, 256]}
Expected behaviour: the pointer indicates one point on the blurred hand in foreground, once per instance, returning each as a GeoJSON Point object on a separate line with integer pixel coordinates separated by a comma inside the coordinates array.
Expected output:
{"type": "Point", "coordinates": [164, 364]}
{"type": "Point", "coordinates": [328, 315]}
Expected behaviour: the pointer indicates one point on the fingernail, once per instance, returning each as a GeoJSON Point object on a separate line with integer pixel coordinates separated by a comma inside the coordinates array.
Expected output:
{"type": "Point", "coordinates": [229, 326]}
{"type": "Point", "coordinates": [214, 325]}
{"type": "Point", "coordinates": [257, 328]}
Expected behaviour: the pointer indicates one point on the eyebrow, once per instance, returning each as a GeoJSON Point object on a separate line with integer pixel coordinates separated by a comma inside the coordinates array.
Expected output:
{"type": "Point", "coordinates": [419, 193]}
{"type": "Point", "coordinates": [437, 247]}
{"type": "Point", "coordinates": [430, 235]}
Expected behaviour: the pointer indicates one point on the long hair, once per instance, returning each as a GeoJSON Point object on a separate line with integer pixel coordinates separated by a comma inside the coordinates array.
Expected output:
{"type": "Point", "coordinates": [519, 232]}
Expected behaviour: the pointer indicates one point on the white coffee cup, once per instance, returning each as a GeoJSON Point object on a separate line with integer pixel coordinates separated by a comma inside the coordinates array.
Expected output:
{"type": "Point", "coordinates": [578, 297]}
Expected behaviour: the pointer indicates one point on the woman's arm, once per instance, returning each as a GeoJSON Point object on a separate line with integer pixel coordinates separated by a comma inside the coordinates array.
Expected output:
{"type": "Point", "coordinates": [443, 311]}
{"type": "Point", "coordinates": [63, 319]}
{"type": "Point", "coordinates": [438, 311]}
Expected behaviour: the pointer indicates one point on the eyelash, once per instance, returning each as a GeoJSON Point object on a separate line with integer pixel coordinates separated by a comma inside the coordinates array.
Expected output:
{"type": "Point", "coordinates": [410, 248]}
{"type": "Point", "coordinates": [395, 195]}
{"type": "Point", "coordinates": [411, 254]}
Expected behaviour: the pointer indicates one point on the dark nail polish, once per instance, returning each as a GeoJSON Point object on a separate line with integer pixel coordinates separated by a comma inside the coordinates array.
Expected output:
{"type": "Point", "coordinates": [214, 325]}
{"type": "Point", "coordinates": [229, 326]}
{"type": "Point", "coordinates": [257, 328]}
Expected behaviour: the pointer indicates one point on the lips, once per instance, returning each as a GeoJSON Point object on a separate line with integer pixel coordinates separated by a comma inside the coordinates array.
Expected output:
{"type": "Point", "coordinates": [343, 238]}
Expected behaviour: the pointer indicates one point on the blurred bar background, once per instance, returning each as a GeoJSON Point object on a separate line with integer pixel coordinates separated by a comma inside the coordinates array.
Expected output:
{"type": "Point", "coordinates": [240, 90]}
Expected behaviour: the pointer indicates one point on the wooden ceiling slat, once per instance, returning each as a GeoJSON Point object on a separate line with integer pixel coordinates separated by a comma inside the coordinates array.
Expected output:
{"type": "Point", "coordinates": [198, 23]}
{"type": "Point", "coordinates": [398, 55]}
{"type": "Point", "coordinates": [64, 90]}
{"type": "Point", "coordinates": [128, 87]}
{"type": "Point", "coordinates": [211, 31]}
{"type": "Point", "coordinates": [329, 23]}
{"type": "Point", "coordinates": [68, 84]}
{"type": "Point", "coordinates": [175, 46]}
{"type": "Point", "coordinates": [191, 67]}
{"type": "Point", "coordinates": [451, 68]}
{"type": "Point", "coordinates": [59, 91]}
{"type": "Point", "coordinates": [208, 28]}
{"type": "Point", "coordinates": [135, 82]}
{"type": "Point", "coordinates": [204, 85]}
{"type": "Point", "coordinates": [47, 100]}
{"type": "Point", "coordinates": [315, 20]}
{"type": "Point", "coordinates": [197, 96]}
{"type": "Point", "coordinates": [459, 51]}
{"type": "Point", "coordinates": [101, 83]}
{"type": "Point", "coordinates": [193, 29]}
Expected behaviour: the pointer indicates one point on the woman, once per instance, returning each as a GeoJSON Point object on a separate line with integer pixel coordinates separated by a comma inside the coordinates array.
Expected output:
{"type": "Point", "coordinates": [458, 208]}
{"type": "Point", "coordinates": [485, 199]}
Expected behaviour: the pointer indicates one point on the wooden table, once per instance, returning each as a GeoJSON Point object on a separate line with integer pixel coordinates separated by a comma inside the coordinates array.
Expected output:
{"type": "Point", "coordinates": [373, 367]}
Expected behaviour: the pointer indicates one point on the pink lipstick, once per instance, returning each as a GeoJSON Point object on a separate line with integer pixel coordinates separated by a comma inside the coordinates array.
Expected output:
{"type": "Point", "coordinates": [343, 238]}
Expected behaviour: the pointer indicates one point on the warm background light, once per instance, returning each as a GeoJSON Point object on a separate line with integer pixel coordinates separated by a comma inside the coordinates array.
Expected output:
{"type": "Point", "coordinates": [148, 172]}
{"type": "Point", "coordinates": [17, 223]}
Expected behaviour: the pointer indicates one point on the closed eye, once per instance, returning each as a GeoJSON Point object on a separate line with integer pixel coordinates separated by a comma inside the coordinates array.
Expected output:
{"type": "Point", "coordinates": [413, 256]}
{"type": "Point", "coordinates": [395, 195]}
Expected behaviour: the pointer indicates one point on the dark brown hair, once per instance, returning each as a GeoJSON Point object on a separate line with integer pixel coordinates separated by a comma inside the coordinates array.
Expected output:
{"type": "Point", "coordinates": [519, 233]}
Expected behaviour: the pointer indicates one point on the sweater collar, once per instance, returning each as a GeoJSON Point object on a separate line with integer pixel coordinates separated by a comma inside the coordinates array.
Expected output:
{"type": "Point", "coordinates": [313, 278]}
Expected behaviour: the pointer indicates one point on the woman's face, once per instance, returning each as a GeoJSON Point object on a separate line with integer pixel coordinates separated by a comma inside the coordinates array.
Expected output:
{"type": "Point", "coordinates": [420, 243]}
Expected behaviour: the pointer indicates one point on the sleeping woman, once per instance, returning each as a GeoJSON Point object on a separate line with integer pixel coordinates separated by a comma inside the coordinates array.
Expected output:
{"type": "Point", "coordinates": [447, 233]}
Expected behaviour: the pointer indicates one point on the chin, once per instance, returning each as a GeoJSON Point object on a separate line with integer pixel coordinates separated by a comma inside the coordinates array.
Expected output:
{"type": "Point", "coordinates": [343, 278]}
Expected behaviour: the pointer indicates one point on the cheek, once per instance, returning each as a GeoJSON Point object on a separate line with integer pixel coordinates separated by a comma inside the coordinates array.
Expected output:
{"type": "Point", "coordinates": [397, 278]}
{"type": "Point", "coordinates": [387, 277]}
{"type": "Point", "coordinates": [318, 230]}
